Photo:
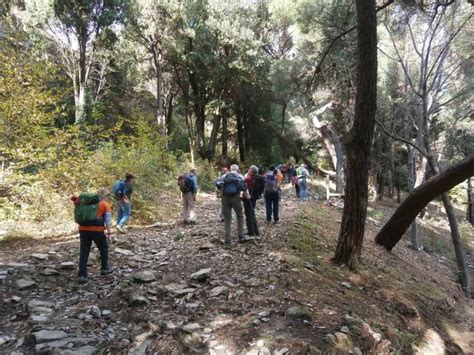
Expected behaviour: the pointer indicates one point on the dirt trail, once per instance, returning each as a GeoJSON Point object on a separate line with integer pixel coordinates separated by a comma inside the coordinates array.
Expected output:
{"type": "Point", "coordinates": [238, 288]}
{"type": "Point", "coordinates": [176, 290]}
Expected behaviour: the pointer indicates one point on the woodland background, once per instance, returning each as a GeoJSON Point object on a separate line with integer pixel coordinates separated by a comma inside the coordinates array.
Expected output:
{"type": "Point", "coordinates": [90, 90]}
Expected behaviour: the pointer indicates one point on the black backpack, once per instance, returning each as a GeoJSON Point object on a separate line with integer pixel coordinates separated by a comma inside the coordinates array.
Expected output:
{"type": "Point", "coordinates": [258, 187]}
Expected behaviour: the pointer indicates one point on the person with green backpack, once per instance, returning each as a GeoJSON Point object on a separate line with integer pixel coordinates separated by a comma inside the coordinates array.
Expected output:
{"type": "Point", "coordinates": [93, 213]}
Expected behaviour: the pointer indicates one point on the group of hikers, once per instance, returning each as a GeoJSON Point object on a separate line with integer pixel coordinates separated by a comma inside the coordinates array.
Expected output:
{"type": "Point", "coordinates": [237, 192]}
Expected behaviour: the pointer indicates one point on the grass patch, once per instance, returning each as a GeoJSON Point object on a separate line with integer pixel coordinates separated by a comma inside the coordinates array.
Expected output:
{"type": "Point", "coordinates": [375, 214]}
{"type": "Point", "coordinates": [15, 236]}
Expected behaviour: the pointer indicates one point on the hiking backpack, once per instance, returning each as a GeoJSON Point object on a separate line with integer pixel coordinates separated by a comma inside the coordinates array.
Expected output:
{"type": "Point", "coordinates": [271, 182]}
{"type": "Point", "coordinates": [233, 184]}
{"type": "Point", "coordinates": [258, 187]}
{"type": "Point", "coordinates": [118, 189]}
{"type": "Point", "coordinates": [184, 182]}
{"type": "Point", "coordinates": [85, 212]}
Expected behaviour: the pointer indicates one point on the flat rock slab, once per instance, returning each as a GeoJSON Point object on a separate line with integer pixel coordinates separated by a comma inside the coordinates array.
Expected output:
{"type": "Point", "coordinates": [144, 276]}
{"type": "Point", "coordinates": [19, 265]}
{"type": "Point", "coordinates": [125, 252]}
{"type": "Point", "coordinates": [201, 275]}
{"type": "Point", "coordinates": [39, 256]}
{"type": "Point", "coordinates": [67, 265]}
{"type": "Point", "coordinates": [23, 284]}
{"type": "Point", "coordinates": [184, 291]}
{"type": "Point", "coordinates": [174, 286]}
{"type": "Point", "coordinates": [83, 350]}
{"type": "Point", "coordinates": [44, 336]}
{"type": "Point", "coordinates": [219, 290]}
{"type": "Point", "coordinates": [39, 303]}
{"type": "Point", "coordinates": [49, 272]}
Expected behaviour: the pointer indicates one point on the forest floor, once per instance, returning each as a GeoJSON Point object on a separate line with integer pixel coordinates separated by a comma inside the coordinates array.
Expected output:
{"type": "Point", "coordinates": [277, 295]}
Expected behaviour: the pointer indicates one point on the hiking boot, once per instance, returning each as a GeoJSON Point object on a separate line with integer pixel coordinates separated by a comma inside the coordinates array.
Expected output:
{"type": "Point", "coordinates": [106, 271]}
{"type": "Point", "coordinates": [120, 229]}
{"type": "Point", "coordinates": [82, 280]}
{"type": "Point", "coordinates": [227, 245]}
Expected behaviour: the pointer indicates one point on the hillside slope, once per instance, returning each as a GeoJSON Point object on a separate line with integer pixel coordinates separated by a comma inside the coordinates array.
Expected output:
{"type": "Point", "coordinates": [277, 295]}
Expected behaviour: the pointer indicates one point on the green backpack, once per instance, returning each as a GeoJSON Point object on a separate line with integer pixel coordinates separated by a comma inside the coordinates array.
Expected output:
{"type": "Point", "coordinates": [85, 213]}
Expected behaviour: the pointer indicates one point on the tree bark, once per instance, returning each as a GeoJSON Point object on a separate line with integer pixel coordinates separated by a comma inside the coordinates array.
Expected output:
{"type": "Point", "coordinates": [393, 230]}
{"type": "Point", "coordinates": [463, 272]}
{"type": "Point", "coordinates": [470, 198]}
{"type": "Point", "coordinates": [169, 115]}
{"type": "Point", "coordinates": [160, 116]}
{"type": "Point", "coordinates": [359, 140]}
{"type": "Point", "coordinates": [224, 137]}
{"type": "Point", "coordinates": [240, 136]}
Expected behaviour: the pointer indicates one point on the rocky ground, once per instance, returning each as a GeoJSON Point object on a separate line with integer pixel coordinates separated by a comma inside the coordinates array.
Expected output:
{"type": "Point", "coordinates": [176, 290]}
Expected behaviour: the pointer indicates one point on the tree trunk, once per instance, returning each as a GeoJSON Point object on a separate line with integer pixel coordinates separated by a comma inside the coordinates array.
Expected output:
{"type": "Point", "coordinates": [80, 103]}
{"type": "Point", "coordinates": [411, 177]}
{"type": "Point", "coordinates": [82, 78]}
{"type": "Point", "coordinates": [393, 230]}
{"type": "Point", "coordinates": [470, 198]}
{"type": "Point", "coordinates": [359, 140]}
{"type": "Point", "coordinates": [224, 137]}
{"type": "Point", "coordinates": [464, 278]}
{"type": "Point", "coordinates": [211, 146]}
{"type": "Point", "coordinates": [160, 115]}
{"type": "Point", "coordinates": [240, 136]}
{"type": "Point", "coordinates": [169, 115]}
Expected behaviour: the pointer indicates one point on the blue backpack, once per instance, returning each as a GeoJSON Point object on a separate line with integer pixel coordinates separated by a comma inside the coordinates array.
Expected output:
{"type": "Point", "coordinates": [232, 184]}
{"type": "Point", "coordinates": [118, 188]}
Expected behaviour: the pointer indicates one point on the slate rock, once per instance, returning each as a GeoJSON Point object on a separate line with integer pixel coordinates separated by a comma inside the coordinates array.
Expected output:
{"type": "Point", "coordinates": [83, 350]}
{"type": "Point", "coordinates": [23, 284]}
{"type": "Point", "coordinates": [40, 256]}
{"type": "Point", "coordinates": [219, 290]}
{"type": "Point", "coordinates": [67, 265]}
{"type": "Point", "coordinates": [18, 265]}
{"type": "Point", "coordinates": [44, 336]}
{"type": "Point", "coordinates": [183, 291]}
{"type": "Point", "coordinates": [39, 303]}
{"type": "Point", "coordinates": [137, 300]}
{"type": "Point", "coordinates": [94, 311]}
{"type": "Point", "coordinates": [4, 339]}
{"type": "Point", "coordinates": [298, 312]}
{"type": "Point", "coordinates": [125, 252]}
{"type": "Point", "coordinates": [49, 272]}
{"type": "Point", "coordinates": [144, 276]}
{"type": "Point", "coordinates": [201, 275]}
{"type": "Point", "coordinates": [346, 284]}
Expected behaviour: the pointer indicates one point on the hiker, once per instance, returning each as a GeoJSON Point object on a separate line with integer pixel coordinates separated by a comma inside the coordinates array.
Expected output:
{"type": "Point", "coordinates": [93, 213]}
{"type": "Point", "coordinates": [294, 180]}
{"type": "Point", "coordinates": [302, 174]}
{"type": "Point", "coordinates": [272, 194]}
{"type": "Point", "coordinates": [224, 171]}
{"type": "Point", "coordinates": [249, 203]}
{"type": "Point", "coordinates": [232, 186]}
{"type": "Point", "coordinates": [188, 184]}
{"type": "Point", "coordinates": [122, 191]}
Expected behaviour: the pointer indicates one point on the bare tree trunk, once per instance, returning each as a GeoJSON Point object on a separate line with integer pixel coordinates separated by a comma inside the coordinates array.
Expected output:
{"type": "Point", "coordinates": [358, 143]}
{"type": "Point", "coordinates": [169, 115]}
{"type": "Point", "coordinates": [240, 136]}
{"type": "Point", "coordinates": [464, 278]}
{"type": "Point", "coordinates": [393, 230]}
{"type": "Point", "coordinates": [334, 147]}
{"type": "Point", "coordinates": [470, 202]}
{"type": "Point", "coordinates": [224, 137]}
{"type": "Point", "coordinates": [211, 146]}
